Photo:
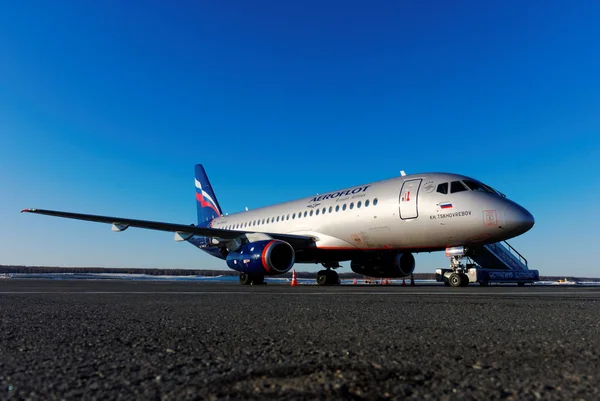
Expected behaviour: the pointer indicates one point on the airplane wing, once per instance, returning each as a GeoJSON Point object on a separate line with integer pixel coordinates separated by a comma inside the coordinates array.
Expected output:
{"type": "Point", "coordinates": [297, 241]}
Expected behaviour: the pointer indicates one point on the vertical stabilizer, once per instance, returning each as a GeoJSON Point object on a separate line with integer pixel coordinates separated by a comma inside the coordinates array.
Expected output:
{"type": "Point", "coordinates": [206, 200]}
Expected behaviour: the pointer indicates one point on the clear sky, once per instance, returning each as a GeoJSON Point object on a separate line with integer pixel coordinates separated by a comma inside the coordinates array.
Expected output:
{"type": "Point", "coordinates": [106, 106]}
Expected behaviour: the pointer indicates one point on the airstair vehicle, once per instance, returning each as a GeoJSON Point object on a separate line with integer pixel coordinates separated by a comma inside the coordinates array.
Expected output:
{"type": "Point", "coordinates": [492, 263]}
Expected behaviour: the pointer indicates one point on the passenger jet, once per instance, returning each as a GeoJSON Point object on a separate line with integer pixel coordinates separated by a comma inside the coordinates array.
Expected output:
{"type": "Point", "coordinates": [376, 226]}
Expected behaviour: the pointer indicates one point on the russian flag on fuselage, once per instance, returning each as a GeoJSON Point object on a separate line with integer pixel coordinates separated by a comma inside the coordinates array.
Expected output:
{"type": "Point", "coordinates": [446, 205]}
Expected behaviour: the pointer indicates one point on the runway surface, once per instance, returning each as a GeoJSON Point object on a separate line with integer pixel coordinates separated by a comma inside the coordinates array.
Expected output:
{"type": "Point", "coordinates": [181, 340]}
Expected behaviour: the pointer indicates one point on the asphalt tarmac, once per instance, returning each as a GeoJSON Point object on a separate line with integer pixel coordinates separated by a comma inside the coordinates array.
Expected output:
{"type": "Point", "coordinates": [183, 340]}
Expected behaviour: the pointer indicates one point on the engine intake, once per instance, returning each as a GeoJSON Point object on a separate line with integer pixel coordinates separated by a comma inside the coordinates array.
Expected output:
{"type": "Point", "coordinates": [385, 265]}
{"type": "Point", "coordinates": [269, 257]}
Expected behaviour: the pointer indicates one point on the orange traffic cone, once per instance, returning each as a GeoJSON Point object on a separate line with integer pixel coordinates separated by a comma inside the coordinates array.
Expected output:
{"type": "Point", "coordinates": [403, 281]}
{"type": "Point", "coordinates": [412, 280]}
{"type": "Point", "coordinates": [294, 281]}
{"type": "Point", "coordinates": [354, 282]}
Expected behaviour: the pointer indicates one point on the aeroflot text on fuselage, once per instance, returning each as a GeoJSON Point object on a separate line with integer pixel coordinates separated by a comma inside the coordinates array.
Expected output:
{"type": "Point", "coordinates": [340, 193]}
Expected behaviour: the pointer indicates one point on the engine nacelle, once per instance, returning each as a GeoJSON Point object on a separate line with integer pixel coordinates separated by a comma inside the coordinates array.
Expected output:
{"type": "Point", "coordinates": [385, 265]}
{"type": "Point", "coordinates": [268, 257]}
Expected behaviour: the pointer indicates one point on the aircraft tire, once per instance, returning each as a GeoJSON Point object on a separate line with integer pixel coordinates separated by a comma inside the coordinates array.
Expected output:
{"type": "Point", "coordinates": [327, 277]}
{"type": "Point", "coordinates": [322, 277]}
{"type": "Point", "coordinates": [245, 279]}
{"type": "Point", "coordinates": [464, 280]}
{"type": "Point", "coordinates": [333, 278]}
{"type": "Point", "coordinates": [258, 280]}
{"type": "Point", "coordinates": [455, 280]}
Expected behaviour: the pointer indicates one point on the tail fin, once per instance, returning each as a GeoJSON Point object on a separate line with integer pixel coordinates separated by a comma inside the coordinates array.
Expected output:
{"type": "Point", "coordinates": [206, 201]}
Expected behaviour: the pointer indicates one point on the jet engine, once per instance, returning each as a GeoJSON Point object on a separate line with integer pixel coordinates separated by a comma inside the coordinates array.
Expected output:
{"type": "Point", "coordinates": [270, 257]}
{"type": "Point", "coordinates": [385, 265]}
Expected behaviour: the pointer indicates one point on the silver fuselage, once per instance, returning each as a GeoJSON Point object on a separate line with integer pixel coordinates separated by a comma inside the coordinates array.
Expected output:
{"type": "Point", "coordinates": [407, 213]}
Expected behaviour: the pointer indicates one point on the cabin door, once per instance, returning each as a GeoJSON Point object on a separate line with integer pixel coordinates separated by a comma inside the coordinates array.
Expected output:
{"type": "Point", "coordinates": [409, 199]}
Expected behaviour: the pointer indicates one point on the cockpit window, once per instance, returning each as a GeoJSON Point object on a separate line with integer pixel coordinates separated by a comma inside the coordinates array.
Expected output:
{"type": "Point", "coordinates": [477, 186]}
{"type": "Point", "coordinates": [443, 188]}
{"type": "Point", "coordinates": [457, 186]}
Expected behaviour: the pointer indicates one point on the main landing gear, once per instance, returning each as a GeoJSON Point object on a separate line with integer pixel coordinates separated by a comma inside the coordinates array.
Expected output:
{"type": "Point", "coordinates": [457, 278]}
{"type": "Point", "coordinates": [328, 277]}
{"type": "Point", "coordinates": [251, 279]}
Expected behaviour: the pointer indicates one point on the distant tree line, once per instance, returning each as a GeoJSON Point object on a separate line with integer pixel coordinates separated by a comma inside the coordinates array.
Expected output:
{"type": "Point", "coordinates": [208, 273]}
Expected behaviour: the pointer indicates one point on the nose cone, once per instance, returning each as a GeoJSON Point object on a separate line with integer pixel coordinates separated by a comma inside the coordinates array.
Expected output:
{"type": "Point", "coordinates": [517, 220]}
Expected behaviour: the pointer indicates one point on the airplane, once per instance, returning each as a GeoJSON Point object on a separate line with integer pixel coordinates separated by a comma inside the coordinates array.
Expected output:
{"type": "Point", "coordinates": [377, 226]}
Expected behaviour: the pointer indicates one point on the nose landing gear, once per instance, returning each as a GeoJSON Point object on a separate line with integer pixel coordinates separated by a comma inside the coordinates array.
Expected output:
{"type": "Point", "coordinates": [458, 277]}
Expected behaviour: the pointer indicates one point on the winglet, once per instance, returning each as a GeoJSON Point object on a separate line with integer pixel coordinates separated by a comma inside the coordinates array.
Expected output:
{"type": "Point", "coordinates": [27, 210]}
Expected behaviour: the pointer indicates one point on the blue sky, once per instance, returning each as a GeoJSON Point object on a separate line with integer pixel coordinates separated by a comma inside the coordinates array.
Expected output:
{"type": "Point", "coordinates": [106, 106]}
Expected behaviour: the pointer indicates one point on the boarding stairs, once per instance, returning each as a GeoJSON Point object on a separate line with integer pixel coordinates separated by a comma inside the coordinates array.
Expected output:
{"type": "Point", "coordinates": [498, 256]}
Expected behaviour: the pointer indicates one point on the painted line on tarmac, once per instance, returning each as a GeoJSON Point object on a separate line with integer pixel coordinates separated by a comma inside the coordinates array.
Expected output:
{"type": "Point", "coordinates": [434, 293]}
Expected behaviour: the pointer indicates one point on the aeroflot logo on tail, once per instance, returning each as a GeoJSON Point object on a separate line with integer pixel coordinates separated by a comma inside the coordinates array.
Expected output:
{"type": "Point", "coordinates": [340, 193]}
{"type": "Point", "coordinates": [204, 198]}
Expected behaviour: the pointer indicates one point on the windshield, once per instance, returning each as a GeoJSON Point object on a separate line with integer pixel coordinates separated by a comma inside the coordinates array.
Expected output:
{"type": "Point", "coordinates": [478, 186]}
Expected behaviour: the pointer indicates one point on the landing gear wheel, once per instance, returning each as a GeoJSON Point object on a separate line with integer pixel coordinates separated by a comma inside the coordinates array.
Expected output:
{"type": "Point", "coordinates": [464, 280]}
{"type": "Point", "coordinates": [455, 280]}
{"type": "Point", "coordinates": [249, 279]}
{"type": "Point", "coordinates": [322, 277]}
{"type": "Point", "coordinates": [327, 277]}
{"type": "Point", "coordinates": [333, 278]}
{"type": "Point", "coordinates": [245, 279]}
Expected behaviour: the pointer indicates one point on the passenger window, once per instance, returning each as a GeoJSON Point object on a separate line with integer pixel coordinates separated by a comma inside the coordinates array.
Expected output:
{"type": "Point", "coordinates": [305, 212]}
{"type": "Point", "coordinates": [375, 202]}
{"type": "Point", "coordinates": [351, 205]}
{"type": "Point", "coordinates": [288, 217]}
{"type": "Point", "coordinates": [278, 219]}
{"type": "Point", "coordinates": [337, 208]}
{"type": "Point", "coordinates": [311, 212]}
{"type": "Point", "coordinates": [300, 215]}
{"type": "Point", "coordinates": [443, 188]}
{"type": "Point", "coordinates": [367, 203]}
{"type": "Point", "coordinates": [344, 206]}
{"type": "Point", "coordinates": [457, 186]}
{"type": "Point", "coordinates": [359, 204]}
{"type": "Point", "coordinates": [324, 210]}
{"type": "Point", "coordinates": [294, 216]}
{"type": "Point", "coordinates": [263, 221]}
{"type": "Point", "coordinates": [317, 213]}
{"type": "Point", "coordinates": [330, 209]}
